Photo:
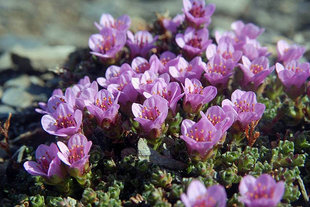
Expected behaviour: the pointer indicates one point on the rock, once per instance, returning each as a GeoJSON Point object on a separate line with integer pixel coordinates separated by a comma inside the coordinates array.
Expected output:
{"type": "Point", "coordinates": [22, 81]}
{"type": "Point", "coordinates": [36, 81]}
{"type": "Point", "coordinates": [5, 110]}
{"type": "Point", "coordinates": [1, 92]}
{"type": "Point", "coordinates": [6, 61]}
{"type": "Point", "coordinates": [17, 97]}
{"type": "Point", "coordinates": [42, 58]}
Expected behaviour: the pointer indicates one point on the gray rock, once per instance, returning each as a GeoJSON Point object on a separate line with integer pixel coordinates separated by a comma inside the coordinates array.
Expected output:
{"type": "Point", "coordinates": [22, 81]}
{"type": "Point", "coordinates": [36, 81]}
{"type": "Point", "coordinates": [1, 92]}
{"type": "Point", "coordinates": [42, 58]}
{"type": "Point", "coordinates": [17, 97]}
{"type": "Point", "coordinates": [5, 110]}
{"type": "Point", "coordinates": [5, 61]}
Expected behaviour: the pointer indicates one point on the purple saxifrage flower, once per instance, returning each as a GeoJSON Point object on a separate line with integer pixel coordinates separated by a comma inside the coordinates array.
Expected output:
{"type": "Point", "coordinates": [246, 30]}
{"type": "Point", "coordinates": [293, 76]}
{"type": "Point", "coordinates": [169, 91]}
{"type": "Point", "coordinates": [108, 43]}
{"type": "Point", "coordinates": [222, 120]}
{"type": "Point", "coordinates": [287, 53]}
{"type": "Point", "coordinates": [124, 86]}
{"type": "Point", "coordinates": [245, 107]}
{"type": "Point", "coordinates": [225, 49]}
{"type": "Point", "coordinates": [219, 70]}
{"type": "Point", "coordinates": [75, 154]}
{"type": "Point", "coordinates": [146, 81]}
{"type": "Point", "coordinates": [261, 192]}
{"type": "Point", "coordinates": [197, 12]}
{"type": "Point", "coordinates": [252, 49]}
{"type": "Point", "coordinates": [121, 24]}
{"type": "Point", "coordinates": [65, 121]}
{"type": "Point", "coordinates": [47, 164]}
{"type": "Point", "coordinates": [200, 137]}
{"type": "Point", "coordinates": [140, 43]}
{"type": "Point", "coordinates": [173, 24]}
{"type": "Point", "coordinates": [152, 114]}
{"type": "Point", "coordinates": [162, 64]}
{"type": "Point", "coordinates": [105, 108]}
{"type": "Point", "coordinates": [112, 74]}
{"type": "Point", "coordinates": [256, 71]}
{"type": "Point", "coordinates": [196, 95]}
{"type": "Point", "coordinates": [199, 195]}
{"type": "Point", "coordinates": [193, 42]}
{"type": "Point", "coordinates": [180, 69]}
{"type": "Point", "coordinates": [139, 65]}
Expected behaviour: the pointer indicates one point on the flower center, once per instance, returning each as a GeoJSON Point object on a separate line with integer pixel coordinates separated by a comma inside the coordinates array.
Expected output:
{"type": "Point", "coordinates": [200, 135]}
{"type": "Point", "coordinates": [261, 191]}
{"type": "Point", "coordinates": [44, 162]}
{"type": "Point", "coordinates": [106, 44]}
{"type": "Point", "coordinates": [195, 42]}
{"type": "Point", "coordinates": [142, 67]}
{"type": "Point", "coordinates": [150, 113]}
{"type": "Point", "coordinates": [256, 68]}
{"type": "Point", "coordinates": [76, 153]}
{"type": "Point", "coordinates": [294, 69]}
{"type": "Point", "coordinates": [214, 119]}
{"type": "Point", "coordinates": [197, 10]}
{"type": "Point", "coordinates": [244, 106]}
{"type": "Point", "coordinates": [204, 201]}
{"type": "Point", "coordinates": [164, 61]}
{"type": "Point", "coordinates": [227, 55]}
{"type": "Point", "coordinates": [105, 103]}
{"type": "Point", "coordinates": [65, 121]}
{"type": "Point", "coordinates": [217, 68]}
{"type": "Point", "coordinates": [196, 90]}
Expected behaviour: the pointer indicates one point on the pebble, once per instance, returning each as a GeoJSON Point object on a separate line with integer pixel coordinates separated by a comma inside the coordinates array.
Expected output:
{"type": "Point", "coordinates": [22, 81]}
{"type": "Point", "coordinates": [17, 97]}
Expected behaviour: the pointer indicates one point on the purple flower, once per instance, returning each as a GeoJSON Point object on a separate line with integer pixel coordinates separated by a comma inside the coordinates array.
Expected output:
{"type": "Point", "coordinates": [180, 69]}
{"type": "Point", "coordinates": [75, 154]}
{"type": "Point", "coordinates": [245, 107]}
{"type": "Point", "coordinates": [107, 20]}
{"type": "Point", "coordinates": [140, 43]}
{"type": "Point", "coordinates": [199, 195]}
{"type": "Point", "coordinates": [197, 13]}
{"type": "Point", "coordinates": [225, 49]}
{"type": "Point", "coordinates": [256, 71]}
{"type": "Point", "coordinates": [287, 53]}
{"type": "Point", "coordinates": [196, 95]}
{"type": "Point", "coordinates": [124, 86]}
{"type": "Point", "coordinates": [193, 42]}
{"type": "Point", "coordinates": [173, 24]}
{"type": "Point", "coordinates": [252, 49]}
{"type": "Point", "coordinates": [201, 136]}
{"type": "Point", "coordinates": [219, 70]}
{"type": "Point", "coordinates": [112, 74]}
{"type": "Point", "coordinates": [47, 164]}
{"type": "Point", "coordinates": [65, 121]}
{"type": "Point", "coordinates": [139, 65]}
{"type": "Point", "coordinates": [261, 192]}
{"type": "Point", "coordinates": [152, 114]}
{"type": "Point", "coordinates": [246, 30]}
{"type": "Point", "coordinates": [169, 91]}
{"type": "Point", "coordinates": [108, 43]}
{"type": "Point", "coordinates": [293, 76]}
{"type": "Point", "coordinates": [104, 108]}
{"type": "Point", "coordinates": [146, 81]}
{"type": "Point", "coordinates": [162, 64]}
{"type": "Point", "coordinates": [222, 120]}
{"type": "Point", "coordinates": [83, 93]}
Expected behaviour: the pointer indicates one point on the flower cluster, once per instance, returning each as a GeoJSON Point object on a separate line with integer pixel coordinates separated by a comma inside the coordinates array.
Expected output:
{"type": "Point", "coordinates": [261, 192]}
{"type": "Point", "coordinates": [171, 86]}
